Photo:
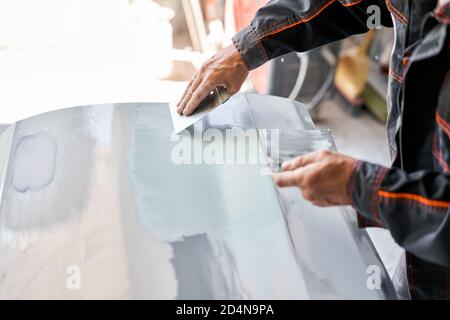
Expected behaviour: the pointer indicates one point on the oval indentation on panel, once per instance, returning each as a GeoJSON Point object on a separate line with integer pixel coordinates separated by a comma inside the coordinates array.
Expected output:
{"type": "Point", "coordinates": [34, 162]}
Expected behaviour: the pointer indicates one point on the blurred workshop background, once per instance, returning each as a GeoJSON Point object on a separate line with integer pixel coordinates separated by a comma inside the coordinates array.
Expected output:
{"type": "Point", "coordinates": [56, 54]}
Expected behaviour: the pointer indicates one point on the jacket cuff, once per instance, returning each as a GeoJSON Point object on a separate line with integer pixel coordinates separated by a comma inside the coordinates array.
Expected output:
{"type": "Point", "coordinates": [250, 47]}
{"type": "Point", "coordinates": [363, 191]}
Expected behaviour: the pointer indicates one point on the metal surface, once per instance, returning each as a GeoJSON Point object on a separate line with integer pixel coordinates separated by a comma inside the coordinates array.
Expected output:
{"type": "Point", "coordinates": [92, 206]}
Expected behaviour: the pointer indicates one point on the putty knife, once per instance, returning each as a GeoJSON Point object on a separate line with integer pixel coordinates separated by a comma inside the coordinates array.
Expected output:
{"type": "Point", "coordinates": [215, 98]}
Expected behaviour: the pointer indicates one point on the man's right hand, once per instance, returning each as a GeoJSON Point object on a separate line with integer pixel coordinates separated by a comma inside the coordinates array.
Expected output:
{"type": "Point", "coordinates": [226, 68]}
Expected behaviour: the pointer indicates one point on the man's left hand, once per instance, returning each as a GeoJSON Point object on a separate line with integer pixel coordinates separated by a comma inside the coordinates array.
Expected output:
{"type": "Point", "coordinates": [322, 177]}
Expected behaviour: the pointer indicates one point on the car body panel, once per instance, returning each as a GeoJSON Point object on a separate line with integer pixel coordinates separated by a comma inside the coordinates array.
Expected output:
{"type": "Point", "coordinates": [93, 205]}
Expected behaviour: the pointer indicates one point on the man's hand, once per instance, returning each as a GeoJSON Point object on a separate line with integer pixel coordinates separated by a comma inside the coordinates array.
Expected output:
{"type": "Point", "coordinates": [322, 177]}
{"type": "Point", "coordinates": [226, 68]}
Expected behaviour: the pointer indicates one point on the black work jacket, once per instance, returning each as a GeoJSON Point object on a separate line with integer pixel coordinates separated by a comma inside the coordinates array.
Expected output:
{"type": "Point", "coordinates": [412, 197]}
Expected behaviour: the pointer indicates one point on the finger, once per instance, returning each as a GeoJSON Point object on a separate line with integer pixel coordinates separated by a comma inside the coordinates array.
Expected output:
{"type": "Point", "coordinates": [185, 90]}
{"type": "Point", "coordinates": [333, 201]}
{"type": "Point", "coordinates": [304, 160]}
{"type": "Point", "coordinates": [200, 93]}
{"type": "Point", "coordinates": [320, 203]}
{"type": "Point", "coordinates": [291, 164]}
{"type": "Point", "coordinates": [287, 178]}
{"type": "Point", "coordinates": [192, 88]}
{"type": "Point", "coordinates": [186, 96]}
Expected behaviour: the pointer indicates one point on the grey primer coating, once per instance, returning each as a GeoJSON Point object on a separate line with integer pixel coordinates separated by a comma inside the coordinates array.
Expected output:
{"type": "Point", "coordinates": [93, 207]}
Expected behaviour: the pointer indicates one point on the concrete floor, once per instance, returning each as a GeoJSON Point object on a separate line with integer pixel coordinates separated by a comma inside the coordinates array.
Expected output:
{"type": "Point", "coordinates": [359, 136]}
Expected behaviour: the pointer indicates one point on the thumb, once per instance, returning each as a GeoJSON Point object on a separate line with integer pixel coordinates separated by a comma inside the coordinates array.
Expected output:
{"type": "Point", "coordinates": [304, 160]}
{"type": "Point", "coordinates": [287, 178]}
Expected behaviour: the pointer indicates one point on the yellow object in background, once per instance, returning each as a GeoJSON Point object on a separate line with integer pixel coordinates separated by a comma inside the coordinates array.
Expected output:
{"type": "Point", "coordinates": [352, 70]}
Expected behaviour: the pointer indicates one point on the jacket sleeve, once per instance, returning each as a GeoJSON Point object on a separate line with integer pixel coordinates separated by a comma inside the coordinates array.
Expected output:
{"type": "Point", "coordinates": [414, 206]}
{"type": "Point", "coordinates": [283, 26]}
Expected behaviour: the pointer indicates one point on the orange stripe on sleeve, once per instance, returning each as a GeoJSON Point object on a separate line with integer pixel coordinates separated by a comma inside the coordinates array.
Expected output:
{"type": "Point", "coordinates": [443, 124]}
{"type": "Point", "coordinates": [414, 197]}
{"type": "Point", "coordinates": [396, 76]}
{"type": "Point", "coordinates": [351, 3]}
{"type": "Point", "coordinates": [396, 13]}
{"type": "Point", "coordinates": [438, 155]}
{"type": "Point", "coordinates": [311, 17]}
